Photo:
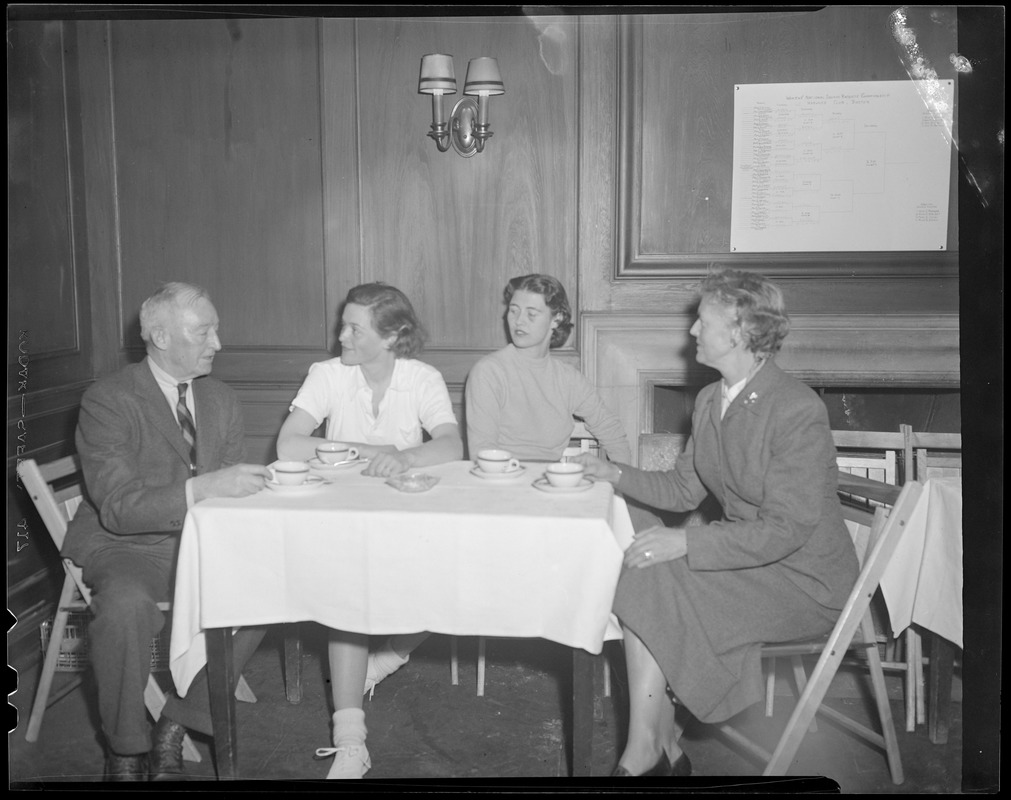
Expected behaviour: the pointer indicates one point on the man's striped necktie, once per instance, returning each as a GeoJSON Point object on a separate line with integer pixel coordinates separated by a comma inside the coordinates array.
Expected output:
{"type": "Point", "coordinates": [188, 428]}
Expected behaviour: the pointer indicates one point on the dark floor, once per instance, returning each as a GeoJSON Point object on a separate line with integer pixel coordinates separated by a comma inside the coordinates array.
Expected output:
{"type": "Point", "coordinates": [422, 727]}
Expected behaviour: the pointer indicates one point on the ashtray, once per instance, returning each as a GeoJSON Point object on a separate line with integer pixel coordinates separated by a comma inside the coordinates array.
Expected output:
{"type": "Point", "coordinates": [412, 482]}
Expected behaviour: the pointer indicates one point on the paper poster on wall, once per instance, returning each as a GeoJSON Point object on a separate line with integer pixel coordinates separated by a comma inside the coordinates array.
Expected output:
{"type": "Point", "coordinates": [848, 166]}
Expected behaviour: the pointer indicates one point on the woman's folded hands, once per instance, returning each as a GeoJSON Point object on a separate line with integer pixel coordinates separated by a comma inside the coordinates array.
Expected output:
{"type": "Point", "coordinates": [655, 545]}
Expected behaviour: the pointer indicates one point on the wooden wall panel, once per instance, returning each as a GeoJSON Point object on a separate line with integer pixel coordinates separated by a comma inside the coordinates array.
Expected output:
{"type": "Point", "coordinates": [49, 356]}
{"type": "Point", "coordinates": [450, 231]}
{"type": "Point", "coordinates": [42, 286]}
{"type": "Point", "coordinates": [678, 78]}
{"type": "Point", "coordinates": [217, 137]}
{"type": "Point", "coordinates": [47, 301]}
{"type": "Point", "coordinates": [342, 241]}
{"type": "Point", "coordinates": [687, 111]}
{"type": "Point", "coordinates": [674, 105]}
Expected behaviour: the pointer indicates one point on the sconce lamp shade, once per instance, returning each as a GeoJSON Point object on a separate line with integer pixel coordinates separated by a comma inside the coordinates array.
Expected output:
{"type": "Point", "coordinates": [483, 77]}
{"type": "Point", "coordinates": [437, 75]}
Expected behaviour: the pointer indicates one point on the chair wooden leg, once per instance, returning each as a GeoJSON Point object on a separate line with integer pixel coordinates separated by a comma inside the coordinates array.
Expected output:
{"type": "Point", "coordinates": [910, 681]}
{"type": "Point", "coordinates": [292, 664]}
{"type": "Point", "coordinates": [454, 661]}
{"type": "Point", "coordinates": [917, 665]}
{"type": "Point", "coordinates": [480, 666]}
{"type": "Point", "coordinates": [51, 660]}
{"type": "Point", "coordinates": [810, 700]}
{"type": "Point", "coordinates": [800, 676]}
{"type": "Point", "coordinates": [883, 704]}
{"type": "Point", "coordinates": [755, 750]}
{"type": "Point", "coordinates": [942, 661]}
{"type": "Point", "coordinates": [770, 686]}
{"type": "Point", "coordinates": [242, 691]}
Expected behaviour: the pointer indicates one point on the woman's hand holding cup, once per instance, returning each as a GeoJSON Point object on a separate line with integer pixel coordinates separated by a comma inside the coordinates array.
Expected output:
{"type": "Point", "coordinates": [594, 467]}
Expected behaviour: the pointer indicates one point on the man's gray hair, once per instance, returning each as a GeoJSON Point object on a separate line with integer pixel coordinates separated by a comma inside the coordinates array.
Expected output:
{"type": "Point", "coordinates": [174, 293]}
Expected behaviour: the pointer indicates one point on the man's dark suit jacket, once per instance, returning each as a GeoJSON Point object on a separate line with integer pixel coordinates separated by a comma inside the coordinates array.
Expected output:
{"type": "Point", "coordinates": [136, 463]}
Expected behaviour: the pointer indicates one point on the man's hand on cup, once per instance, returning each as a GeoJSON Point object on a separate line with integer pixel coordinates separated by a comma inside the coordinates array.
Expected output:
{"type": "Point", "coordinates": [383, 465]}
{"type": "Point", "coordinates": [238, 480]}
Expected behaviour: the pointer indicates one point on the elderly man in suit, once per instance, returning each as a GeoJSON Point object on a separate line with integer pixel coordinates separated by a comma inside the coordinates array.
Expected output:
{"type": "Point", "coordinates": [153, 438]}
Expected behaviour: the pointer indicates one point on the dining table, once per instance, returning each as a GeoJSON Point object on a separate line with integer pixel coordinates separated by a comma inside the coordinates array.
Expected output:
{"type": "Point", "coordinates": [922, 584]}
{"type": "Point", "coordinates": [472, 555]}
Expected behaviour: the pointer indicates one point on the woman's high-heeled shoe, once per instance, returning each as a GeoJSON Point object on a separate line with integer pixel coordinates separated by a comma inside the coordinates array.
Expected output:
{"type": "Point", "coordinates": [682, 768]}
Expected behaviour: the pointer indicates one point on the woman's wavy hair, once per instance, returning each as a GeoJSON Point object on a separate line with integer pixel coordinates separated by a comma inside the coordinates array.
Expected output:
{"type": "Point", "coordinates": [555, 299]}
{"type": "Point", "coordinates": [758, 303]}
{"type": "Point", "coordinates": [392, 314]}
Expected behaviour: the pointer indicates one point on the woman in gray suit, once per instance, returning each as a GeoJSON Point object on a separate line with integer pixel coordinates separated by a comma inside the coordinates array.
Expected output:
{"type": "Point", "coordinates": [696, 603]}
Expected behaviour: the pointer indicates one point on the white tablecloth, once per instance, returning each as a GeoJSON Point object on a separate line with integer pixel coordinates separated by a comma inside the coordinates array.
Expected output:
{"type": "Point", "coordinates": [923, 582]}
{"type": "Point", "coordinates": [469, 557]}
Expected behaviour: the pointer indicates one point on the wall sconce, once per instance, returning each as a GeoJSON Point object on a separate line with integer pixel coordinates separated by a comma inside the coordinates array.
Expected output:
{"type": "Point", "coordinates": [467, 128]}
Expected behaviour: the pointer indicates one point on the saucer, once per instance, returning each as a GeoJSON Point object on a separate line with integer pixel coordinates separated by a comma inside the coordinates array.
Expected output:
{"type": "Point", "coordinates": [312, 483]}
{"type": "Point", "coordinates": [477, 472]}
{"type": "Point", "coordinates": [319, 466]}
{"type": "Point", "coordinates": [544, 486]}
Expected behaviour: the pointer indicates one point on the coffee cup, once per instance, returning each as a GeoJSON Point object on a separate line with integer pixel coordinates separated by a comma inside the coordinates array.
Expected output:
{"type": "Point", "coordinates": [336, 453]}
{"type": "Point", "coordinates": [564, 474]}
{"type": "Point", "coordinates": [289, 473]}
{"type": "Point", "coordinates": [497, 461]}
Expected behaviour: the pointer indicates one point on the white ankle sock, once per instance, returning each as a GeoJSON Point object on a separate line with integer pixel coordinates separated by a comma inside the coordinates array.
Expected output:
{"type": "Point", "coordinates": [351, 757]}
{"type": "Point", "coordinates": [349, 727]}
{"type": "Point", "coordinates": [387, 660]}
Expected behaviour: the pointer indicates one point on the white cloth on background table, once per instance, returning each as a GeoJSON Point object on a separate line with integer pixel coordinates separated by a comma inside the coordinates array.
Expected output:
{"type": "Point", "coordinates": [923, 581]}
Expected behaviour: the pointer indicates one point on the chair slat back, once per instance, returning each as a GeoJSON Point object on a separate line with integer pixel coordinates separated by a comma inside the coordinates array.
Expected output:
{"type": "Point", "coordinates": [868, 440]}
{"type": "Point", "coordinates": [869, 454]}
{"type": "Point", "coordinates": [58, 507]}
{"type": "Point", "coordinates": [936, 455]}
{"type": "Point", "coordinates": [881, 467]}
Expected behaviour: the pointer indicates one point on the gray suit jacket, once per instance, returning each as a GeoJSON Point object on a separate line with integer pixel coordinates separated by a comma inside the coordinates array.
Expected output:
{"type": "Point", "coordinates": [136, 463]}
{"type": "Point", "coordinates": [771, 464]}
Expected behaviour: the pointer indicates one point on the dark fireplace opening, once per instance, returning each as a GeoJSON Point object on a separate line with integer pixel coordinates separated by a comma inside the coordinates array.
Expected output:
{"type": "Point", "coordinates": [930, 410]}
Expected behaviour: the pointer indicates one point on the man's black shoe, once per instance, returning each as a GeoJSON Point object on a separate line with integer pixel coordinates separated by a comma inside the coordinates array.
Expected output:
{"type": "Point", "coordinates": [125, 768]}
{"type": "Point", "coordinates": [167, 751]}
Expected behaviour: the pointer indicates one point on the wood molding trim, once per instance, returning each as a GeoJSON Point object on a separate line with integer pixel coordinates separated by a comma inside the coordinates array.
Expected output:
{"type": "Point", "coordinates": [624, 355]}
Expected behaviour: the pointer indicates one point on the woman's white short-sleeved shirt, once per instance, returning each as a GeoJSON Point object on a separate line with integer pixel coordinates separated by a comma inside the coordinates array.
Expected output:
{"type": "Point", "coordinates": [416, 400]}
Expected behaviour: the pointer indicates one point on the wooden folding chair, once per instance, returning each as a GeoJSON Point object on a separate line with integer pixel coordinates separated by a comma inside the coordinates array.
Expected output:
{"type": "Point", "coordinates": [854, 631]}
{"type": "Point", "coordinates": [885, 456]}
{"type": "Point", "coordinates": [56, 490]}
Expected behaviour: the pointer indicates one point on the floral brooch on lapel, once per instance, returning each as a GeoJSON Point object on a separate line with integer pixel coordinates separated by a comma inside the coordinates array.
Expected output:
{"type": "Point", "coordinates": [750, 399]}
